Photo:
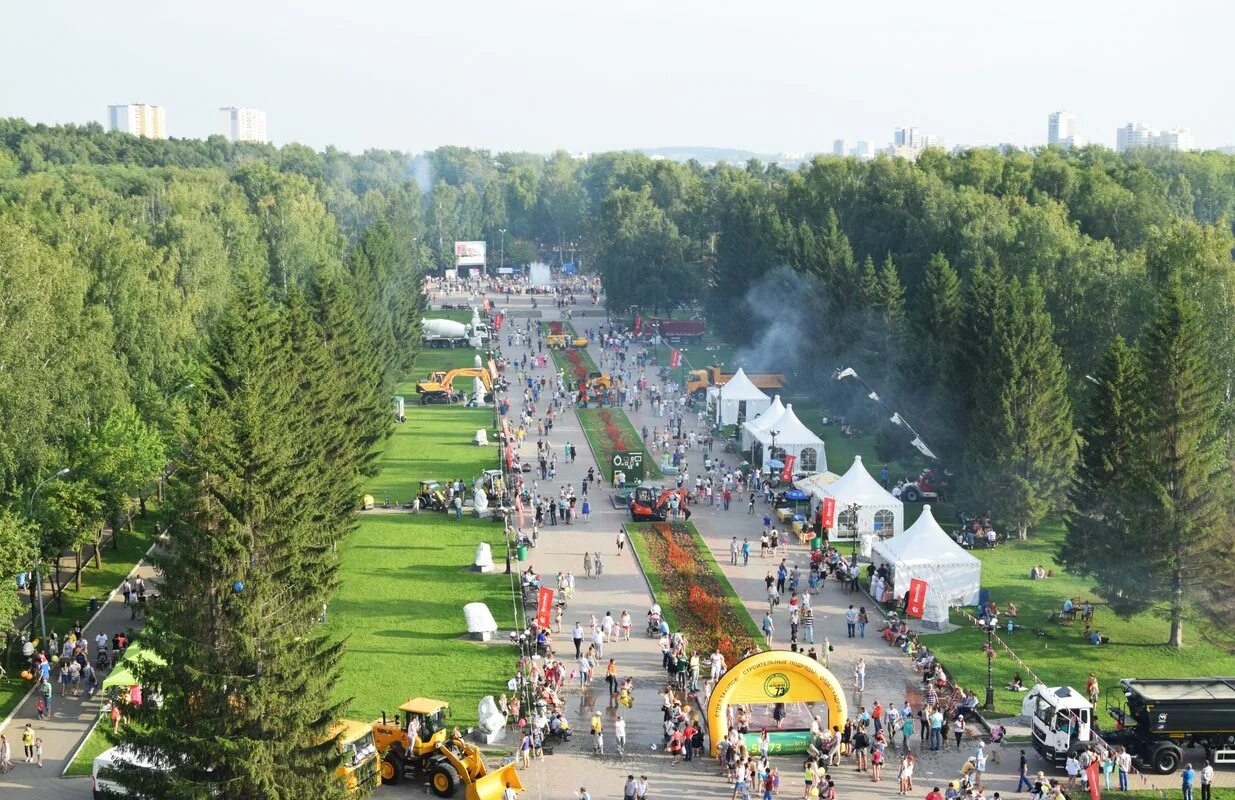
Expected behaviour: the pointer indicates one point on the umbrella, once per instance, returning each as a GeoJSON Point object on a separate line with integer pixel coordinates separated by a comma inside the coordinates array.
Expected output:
{"type": "Point", "coordinates": [774, 463]}
{"type": "Point", "coordinates": [797, 495]}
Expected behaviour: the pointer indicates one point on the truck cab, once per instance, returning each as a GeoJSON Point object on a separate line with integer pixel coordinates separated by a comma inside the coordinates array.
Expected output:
{"type": "Point", "coordinates": [1060, 720]}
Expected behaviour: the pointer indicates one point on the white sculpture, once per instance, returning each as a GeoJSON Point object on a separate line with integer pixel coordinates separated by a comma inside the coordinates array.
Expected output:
{"type": "Point", "coordinates": [478, 392]}
{"type": "Point", "coordinates": [481, 439]}
{"type": "Point", "coordinates": [480, 622]}
{"type": "Point", "coordinates": [480, 500]}
{"type": "Point", "coordinates": [491, 722]}
{"type": "Point", "coordinates": [483, 562]}
{"type": "Point", "coordinates": [476, 361]}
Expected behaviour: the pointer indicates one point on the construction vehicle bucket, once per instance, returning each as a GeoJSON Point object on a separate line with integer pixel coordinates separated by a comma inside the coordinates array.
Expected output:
{"type": "Point", "coordinates": [491, 786]}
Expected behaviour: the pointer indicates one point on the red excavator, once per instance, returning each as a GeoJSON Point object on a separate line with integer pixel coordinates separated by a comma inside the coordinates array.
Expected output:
{"type": "Point", "coordinates": [647, 506]}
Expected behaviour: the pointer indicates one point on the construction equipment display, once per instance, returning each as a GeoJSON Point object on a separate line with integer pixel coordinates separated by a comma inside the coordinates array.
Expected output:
{"type": "Point", "coordinates": [416, 745]}
{"type": "Point", "coordinates": [431, 496]}
{"type": "Point", "coordinates": [648, 506]}
{"type": "Point", "coordinates": [439, 387]}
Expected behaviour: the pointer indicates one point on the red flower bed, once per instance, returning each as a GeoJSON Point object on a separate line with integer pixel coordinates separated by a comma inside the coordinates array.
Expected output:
{"type": "Point", "coordinates": [555, 328]}
{"type": "Point", "coordinates": [695, 593]}
{"type": "Point", "coordinates": [576, 361]}
{"type": "Point", "coordinates": [617, 437]}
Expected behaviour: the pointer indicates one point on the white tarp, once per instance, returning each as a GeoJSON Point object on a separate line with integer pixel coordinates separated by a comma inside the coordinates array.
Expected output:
{"type": "Point", "coordinates": [768, 417]}
{"type": "Point", "coordinates": [538, 275]}
{"type": "Point", "coordinates": [740, 399]}
{"type": "Point", "coordinates": [879, 513]}
{"type": "Point", "coordinates": [926, 552]}
{"type": "Point", "coordinates": [792, 438]}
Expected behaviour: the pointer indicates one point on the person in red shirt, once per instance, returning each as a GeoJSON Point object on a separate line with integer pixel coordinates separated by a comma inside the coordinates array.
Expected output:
{"type": "Point", "coordinates": [934, 794]}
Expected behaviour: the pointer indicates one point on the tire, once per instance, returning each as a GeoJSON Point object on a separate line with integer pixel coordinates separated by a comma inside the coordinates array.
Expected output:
{"type": "Point", "coordinates": [1166, 759]}
{"type": "Point", "coordinates": [443, 779]}
{"type": "Point", "coordinates": [912, 495]}
{"type": "Point", "coordinates": [391, 768]}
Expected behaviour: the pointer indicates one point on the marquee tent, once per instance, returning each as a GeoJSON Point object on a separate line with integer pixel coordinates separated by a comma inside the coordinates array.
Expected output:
{"type": "Point", "coordinates": [926, 552]}
{"type": "Point", "coordinates": [793, 439]}
{"type": "Point", "coordinates": [814, 484]}
{"type": "Point", "coordinates": [740, 400]}
{"type": "Point", "coordinates": [768, 417]}
{"type": "Point", "coordinates": [879, 513]}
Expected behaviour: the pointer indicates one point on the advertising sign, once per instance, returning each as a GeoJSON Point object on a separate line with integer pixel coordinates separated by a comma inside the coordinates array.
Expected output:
{"type": "Point", "coordinates": [917, 599]}
{"type": "Point", "coordinates": [631, 464]}
{"type": "Point", "coordinates": [469, 254]}
{"type": "Point", "coordinates": [827, 513]}
{"type": "Point", "coordinates": [544, 606]}
{"type": "Point", "coordinates": [786, 473]}
{"type": "Point", "coordinates": [675, 359]}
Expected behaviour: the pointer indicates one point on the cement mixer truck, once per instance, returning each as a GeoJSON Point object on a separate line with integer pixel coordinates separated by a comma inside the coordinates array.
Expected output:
{"type": "Point", "coordinates": [448, 333]}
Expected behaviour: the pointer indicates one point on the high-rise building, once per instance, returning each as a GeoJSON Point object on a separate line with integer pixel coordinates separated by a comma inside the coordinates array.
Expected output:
{"type": "Point", "coordinates": [934, 141]}
{"type": "Point", "coordinates": [864, 150]}
{"type": "Point", "coordinates": [1061, 129]}
{"type": "Point", "coordinates": [139, 119]}
{"type": "Point", "coordinates": [908, 137]}
{"type": "Point", "coordinates": [1175, 139]}
{"type": "Point", "coordinates": [244, 124]}
{"type": "Point", "coordinates": [1135, 135]}
{"type": "Point", "coordinates": [840, 147]}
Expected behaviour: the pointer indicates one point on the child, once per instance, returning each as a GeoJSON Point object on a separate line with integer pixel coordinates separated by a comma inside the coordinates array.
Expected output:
{"type": "Point", "coordinates": [38, 752]}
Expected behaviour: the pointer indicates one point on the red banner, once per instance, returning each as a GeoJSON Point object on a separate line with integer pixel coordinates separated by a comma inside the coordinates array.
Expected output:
{"type": "Point", "coordinates": [1095, 792]}
{"type": "Point", "coordinates": [917, 599]}
{"type": "Point", "coordinates": [497, 322]}
{"type": "Point", "coordinates": [675, 359]}
{"type": "Point", "coordinates": [786, 473]}
{"type": "Point", "coordinates": [827, 513]}
{"type": "Point", "coordinates": [638, 323]}
{"type": "Point", "coordinates": [544, 606]}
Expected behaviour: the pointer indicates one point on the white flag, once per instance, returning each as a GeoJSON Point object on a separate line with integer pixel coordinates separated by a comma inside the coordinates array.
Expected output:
{"type": "Point", "coordinates": [897, 419]}
{"type": "Point", "coordinates": [873, 396]}
{"type": "Point", "coordinates": [847, 372]}
{"type": "Point", "coordinates": [921, 445]}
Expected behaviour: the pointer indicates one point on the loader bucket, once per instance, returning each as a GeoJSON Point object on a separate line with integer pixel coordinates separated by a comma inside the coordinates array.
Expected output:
{"type": "Point", "coordinates": [491, 786]}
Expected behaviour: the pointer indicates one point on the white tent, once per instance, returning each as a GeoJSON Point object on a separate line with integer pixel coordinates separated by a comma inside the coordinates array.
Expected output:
{"type": "Point", "coordinates": [765, 419]}
{"type": "Point", "coordinates": [814, 484]}
{"type": "Point", "coordinates": [926, 552]}
{"type": "Point", "coordinates": [792, 438]}
{"type": "Point", "coordinates": [879, 513]}
{"type": "Point", "coordinates": [740, 400]}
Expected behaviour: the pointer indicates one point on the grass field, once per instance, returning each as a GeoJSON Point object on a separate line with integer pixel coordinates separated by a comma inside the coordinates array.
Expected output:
{"type": "Point", "coordinates": [589, 420]}
{"type": "Point", "coordinates": [83, 764]}
{"type": "Point", "coordinates": [405, 580]}
{"type": "Point", "coordinates": [94, 583]}
{"type": "Point", "coordinates": [435, 442]}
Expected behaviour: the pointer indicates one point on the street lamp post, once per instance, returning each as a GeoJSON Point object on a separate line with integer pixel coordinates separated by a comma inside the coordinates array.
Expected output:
{"type": "Point", "coordinates": [38, 575]}
{"type": "Point", "coordinates": [989, 627]}
{"type": "Point", "coordinates": [853, 510]}
{"type": "Point", "coordinates": [503, 259]}
{"type": "Point", "coordinates": [772, 451]}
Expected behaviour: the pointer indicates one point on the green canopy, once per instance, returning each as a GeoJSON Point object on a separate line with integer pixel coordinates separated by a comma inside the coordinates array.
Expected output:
{"type": "Point", "coordinates": [122, 674]}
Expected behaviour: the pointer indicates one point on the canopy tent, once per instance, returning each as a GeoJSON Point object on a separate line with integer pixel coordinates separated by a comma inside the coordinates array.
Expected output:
{"type": "Point", "coordinates": [740, 400]}
{"type": "Point", "coordinates": [814, 484]}
{"type": "Point", "coordinates": [926, 552]}
{"type": "Point", "coordinates": [769, 416]}
{"type": "Point", "coordinates": [122, 675]}
{"type": "Point", "coordinates": [789, 436]}
{"type": "Point", "coordinates": [879, 513]}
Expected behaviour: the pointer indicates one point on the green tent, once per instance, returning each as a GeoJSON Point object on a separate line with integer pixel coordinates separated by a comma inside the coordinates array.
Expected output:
{"type": "Point", "coordinates": [122, 674]}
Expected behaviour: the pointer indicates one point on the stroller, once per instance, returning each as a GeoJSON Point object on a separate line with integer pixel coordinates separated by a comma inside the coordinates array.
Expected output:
{"type": "Point", "coordinates": [653, 625]}
{"type": "Point", "coordinates": [103, 660]}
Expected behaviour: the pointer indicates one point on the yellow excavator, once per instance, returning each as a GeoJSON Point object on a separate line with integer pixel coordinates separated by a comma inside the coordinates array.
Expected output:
{"type": "Point", "coordinates": [416, 744]}
{"type": "Point", "coordinates": [439, 386]}
{"type": "Point", "coordinates": [561, 341]}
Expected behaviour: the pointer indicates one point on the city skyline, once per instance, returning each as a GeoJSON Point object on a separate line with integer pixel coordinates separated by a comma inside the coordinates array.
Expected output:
{"type": "Point", "coordinates": [588, 93]}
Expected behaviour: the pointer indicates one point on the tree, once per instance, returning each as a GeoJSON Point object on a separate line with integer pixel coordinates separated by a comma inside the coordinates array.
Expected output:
{"type": "Point", "coordinates": [248, 678]}
{"type": "Point", "coordinates": [1182, 481]}
{"type": "Point", "coordinates": [18, 541]}
{"type": "Point", "coordinates": [1021, 443]}
{"type": "Point", "coordinates": [1101, 493]}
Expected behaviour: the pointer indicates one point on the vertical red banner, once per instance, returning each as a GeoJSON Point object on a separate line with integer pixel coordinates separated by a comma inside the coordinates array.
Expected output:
{"type": "Point", "coordinates": [638, 323]}
{"type": "Point", "coordinates": [497, 322]}
{"type": "Point", "coordinates": [827, 513]}
{"type": "Point", "coordinates": [917, 599]}
{"type": "Point", "coordinates": [1091, 772]}
{"type": "Point", "coordinates": [544, 606]}
{"type": "Point", "coordinates": [675, 359]}
{"type": "Point", "coordinates": [786, 472]}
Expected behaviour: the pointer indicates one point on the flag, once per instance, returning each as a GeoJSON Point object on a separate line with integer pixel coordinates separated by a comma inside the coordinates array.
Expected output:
{"type": "Point", "coordinates": [544, 606]}
{"type": "Point", "coordinates": [638, 323]}
{"type": "Point", "coordinates": [827, 513]}
{"type": "Point", "coordinates": [874, 397]}
{"type": "Point", "coordinates": [847, 372]}
{"type": "Point", "coordinates": [497, 322]}
{"type": "Point", "coordinates": [917, 599]}
{"type": "Point", "coordinates": [786, 472]}
{"type": "Point", "coordinates": [921, 445]}
{"type": "Point", "coordinates": [675, 358]}
{"type": "Point", "coordinates": [897, 419]}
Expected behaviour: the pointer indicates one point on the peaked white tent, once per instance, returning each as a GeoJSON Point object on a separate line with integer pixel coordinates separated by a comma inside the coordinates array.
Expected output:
{"type": "Point", "coordinates": [740, 399]}
{"type": "Point", "coordinates": [768, 417]}
{"type": "Point", "coordinates": [879, 513]}
{"type": "Point", "coordinates": [926, 552]}
{"type": "Point", "coordinates": [793, 438]}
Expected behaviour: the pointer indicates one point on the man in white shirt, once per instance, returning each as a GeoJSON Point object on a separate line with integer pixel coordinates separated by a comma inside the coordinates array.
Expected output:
{"type": "Point", "coordinates": [619, 733]}
{"type": "Point", "coordinates": [1207, 780]}
{"type": "Point", "coordinates": [1124, 762]}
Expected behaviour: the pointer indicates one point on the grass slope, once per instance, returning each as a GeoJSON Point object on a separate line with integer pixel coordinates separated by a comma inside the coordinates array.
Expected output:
{"type": "Point", "coordinates": [435, 442]}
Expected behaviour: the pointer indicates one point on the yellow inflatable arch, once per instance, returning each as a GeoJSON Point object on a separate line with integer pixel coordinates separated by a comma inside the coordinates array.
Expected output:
{"type": "Point", "coordinates": [775, 676]}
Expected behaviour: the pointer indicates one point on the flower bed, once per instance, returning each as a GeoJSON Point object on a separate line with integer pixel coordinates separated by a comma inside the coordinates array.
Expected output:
{"type": "Point", "coordinates": [609, 432]}
{"type": "Point", "coordinates": [695, 596]}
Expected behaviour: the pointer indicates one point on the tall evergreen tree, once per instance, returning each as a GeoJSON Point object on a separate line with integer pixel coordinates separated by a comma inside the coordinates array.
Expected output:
{"type": "Point", "coordinates": [1096, 543]}
{"type": "Point", "coordinates": [1182, 482]}
{"type": "Point", "coordinates": [248, 679]}
{"type": "Point", "coordinates": [1021, 443]}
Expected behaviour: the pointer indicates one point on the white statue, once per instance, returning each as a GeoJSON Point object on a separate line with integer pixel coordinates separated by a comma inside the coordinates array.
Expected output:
{"type": "Point", "coordinates": [480, 500]}
{"type": "Point", "coordinates": [491, 722]}
{"type": "Point", "coordinates": [480, 622]}
{"type": "Point", "coordinates": [483, 562]}
{"type": "Point", "coordinates": [476, 362]}
{"type": "Point", "coordinates": [478, 392]}
{"type": "Point", "coordinates": [481, 439]}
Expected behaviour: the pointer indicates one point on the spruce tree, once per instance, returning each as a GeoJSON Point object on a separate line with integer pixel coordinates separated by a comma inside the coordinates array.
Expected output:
{"type": "Point", "coordinates": [1021, 442]}
{"type": "Point", "coordinates": [1096, 543]}
{"type": "Point", "coordinates": [248, 683]}
{"type": "Point", "coordinates": [868, 290]}
{"type": "Point", "coordinates": [927, 361]}
{"type": "Point", "coordinates": [1182, 482]}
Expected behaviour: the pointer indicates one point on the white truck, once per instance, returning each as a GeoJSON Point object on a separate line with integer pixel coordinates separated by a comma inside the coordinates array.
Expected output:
{"type": "Point", "coordinates": [448, 333]}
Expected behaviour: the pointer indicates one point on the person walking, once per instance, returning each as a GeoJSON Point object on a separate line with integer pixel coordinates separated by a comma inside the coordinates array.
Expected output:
{"type": "Point", "coordinates": [1022, 774]}
{"type": "Point", "coordinates": [587, 565]}
{"type": "Point", "coordinates": [621, 541]}
{"type": "Point", "coordinates": [6, 756]}
{"type": "Point", "coordinates": [769, 627]}
{"type": "Point", "coordinates": [38, 753]}
{"type": "Point", "coordinates": [27, 742]}
{"type": "Point", "coordinates": [576, 636]}
{"type": "Point", "coordinates": [851, 620]}
{"type": "Point", "coordinates": [598, 735]}
{"type": "Point", "coordinates": [863, 621]}
{"type": "Point", "coordinates": [745, 552]}
{"type": "Point", "coordinates": [600, 565]}
{"type": "Point", "coordinates": [734, 549]}
{"type": "Point", "coordinates": [619, 736]}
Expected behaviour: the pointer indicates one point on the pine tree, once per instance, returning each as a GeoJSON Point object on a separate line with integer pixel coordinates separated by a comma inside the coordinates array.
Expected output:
{"type": "Point", "coordinates": [248, 683]}
{"type": "Point", "coordinates": [1182, 482]}
{"type": "Point", "coordinates": [868, 294]}
{"type": "Point", "coordinates": [1021, 443]}
{"type": "Point", "coordinates": [1096, 542]}
{"type": "Point", "coordinates": [936, 326]}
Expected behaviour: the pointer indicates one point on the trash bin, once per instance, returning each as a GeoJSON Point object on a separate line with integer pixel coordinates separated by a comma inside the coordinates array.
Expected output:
{"type": "Point", "coordinates": [521, 550]}
{"type": "Point", "coordinates": [816, 543]}
{"type": "Point", "coordinates": [94, 605]}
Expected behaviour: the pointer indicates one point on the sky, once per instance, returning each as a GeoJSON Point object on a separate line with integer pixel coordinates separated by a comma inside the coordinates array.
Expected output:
{"type": "Point", "coordinates": [542, 75]}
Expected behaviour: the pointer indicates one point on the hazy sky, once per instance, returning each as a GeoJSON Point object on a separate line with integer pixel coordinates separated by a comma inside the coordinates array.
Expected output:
{"type": "Point", "coordinates": [589, 76]}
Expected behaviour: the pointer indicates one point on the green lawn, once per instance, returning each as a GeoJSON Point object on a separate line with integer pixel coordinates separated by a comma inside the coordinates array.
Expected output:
{"type": "Point", "coordinates": [589, 420]}
{"type": "Point", "coordinates": [405, 580]}
{"type": "Point", "coordinates": [436, 443]}
{"type": "Point", "coordinates": [1135, 650]}
{"type": "Point", "coordinates": [95, 583]}
{"type": "Point", "coordinates": [435, 360]}
{"type": "Point", "coordinates": [83, 764]}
